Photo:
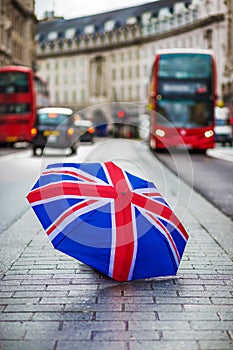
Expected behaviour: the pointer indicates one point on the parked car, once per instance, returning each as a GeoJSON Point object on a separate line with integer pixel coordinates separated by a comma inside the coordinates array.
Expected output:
{"type": "Point", "coordinates": [86, 130]}
{"type": "Point", "coordinates": [223, 128]}
{"type": "Point", "coordinates": [54, 128]}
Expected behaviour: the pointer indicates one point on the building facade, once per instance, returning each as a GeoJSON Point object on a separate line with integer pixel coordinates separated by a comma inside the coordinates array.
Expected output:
{"type": "Point", "coordinates": [107, 58]}
{"type": "Point", "coordinates": [17, 33]}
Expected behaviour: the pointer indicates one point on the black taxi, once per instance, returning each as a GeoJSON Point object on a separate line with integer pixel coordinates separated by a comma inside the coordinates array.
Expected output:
{"type": "Point", "coordinates": [54, 128]}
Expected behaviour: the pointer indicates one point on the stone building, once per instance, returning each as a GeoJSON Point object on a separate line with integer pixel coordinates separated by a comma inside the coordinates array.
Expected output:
{"type": "Point", "coordinates": [227, 84]}
{"type": "Point", "coordinates": [107, 58]}
{"type": "Point", "coordinates": [17, 32]}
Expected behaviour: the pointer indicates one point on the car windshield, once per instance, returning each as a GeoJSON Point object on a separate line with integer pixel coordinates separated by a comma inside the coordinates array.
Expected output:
{"type": "Point", "coordinates": [53, 119]}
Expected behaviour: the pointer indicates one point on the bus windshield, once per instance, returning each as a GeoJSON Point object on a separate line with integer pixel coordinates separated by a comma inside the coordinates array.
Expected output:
{"type": "Point", "coordinates": [184, 113]}
{"type": "Point", "coordinates": [185, 66]}
{"type": "Point", "coordinates": [13, 82]}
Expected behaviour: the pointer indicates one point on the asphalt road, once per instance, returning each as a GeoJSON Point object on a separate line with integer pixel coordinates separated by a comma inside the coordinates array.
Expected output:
{"type": "Point", "coordinates": [211, 177]}
{"type": "Point", "coordinates": [19, 171]}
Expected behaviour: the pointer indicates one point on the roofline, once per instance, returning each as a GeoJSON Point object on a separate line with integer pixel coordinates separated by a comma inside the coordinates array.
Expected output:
{"type": "Point", "coordinates": [15, 69]}
{"type": "Point", "coordinates": [65, 110]}
{"type": "Point", "coordinates": [184, 50]}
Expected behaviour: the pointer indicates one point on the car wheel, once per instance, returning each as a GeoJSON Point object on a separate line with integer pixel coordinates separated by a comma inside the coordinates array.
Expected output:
{"type": "Point", "coordinates": [73, 149]}
{"type": "Point", "coordinates": [34, 151]}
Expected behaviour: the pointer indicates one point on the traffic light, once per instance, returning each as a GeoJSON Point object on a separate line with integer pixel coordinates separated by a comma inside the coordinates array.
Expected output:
{"type": "Point", "coordinates": [120, 114]}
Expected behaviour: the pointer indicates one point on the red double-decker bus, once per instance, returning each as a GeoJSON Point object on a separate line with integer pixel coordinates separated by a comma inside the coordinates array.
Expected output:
{"type": "Point", "coordinates": [20, 92]}
{"type": "Point", "coordinates": [182, 96]}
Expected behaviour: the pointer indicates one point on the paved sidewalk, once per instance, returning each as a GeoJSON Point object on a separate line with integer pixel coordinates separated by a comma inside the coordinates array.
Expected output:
{"type": "Point", "coordinates": [220, 152]}
{"type": "Point", "coordinates": [50, 301]}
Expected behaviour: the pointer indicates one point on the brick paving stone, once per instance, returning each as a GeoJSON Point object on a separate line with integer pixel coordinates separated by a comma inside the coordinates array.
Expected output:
{"type": "Point", "coordinates": [27, 345]}
{"type": "Point", "coordinates": [127, 335]}
{"type": "Point", "coordinates": [164, 345]}
{"type": "Point", "coordinates": [48, 334]}
{"type": "Point", "coordinates": [213, 325]}
{"type": "Point", "coordinates": [93, 307]}
{"type": "Point", "coordinates": [180, 316]}
{"type": "Point", "coordinates": [152, 307]}
{"type": "Point", "coordinates": [195, 335]}
{"type": "Point", "coordinates": [21, 316]}
{"type": "Point", "coordinates": [216, 344]}
{"type": "Point", "coordinates": [17, 301]}
{"type": "Point", "coordinates": [62, 316]}
{"type": "Point", "coordinates": [159, 325]}
{"type": "Point", "coordinates": [104, 316]}
{"type": "Point", "coordinates": [87, 345]}
{"type": "Point", "coordinates": [33, 308]}
{"type": "Point", "coordinates": [68, 300]}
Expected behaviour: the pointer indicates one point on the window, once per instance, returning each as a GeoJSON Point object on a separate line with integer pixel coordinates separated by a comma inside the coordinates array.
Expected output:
{"type": "Point", "coordinates": [65, 96]}
{"type": "Point", "coordinates": [179, 7]}
{"type": "Point", "coordinates": [114, 74]}
{"type": "Point", "coordinates": [131, 20]}
{"type": "Point", "coordinates": [52, 36]}
{"type": "Point", "coordinates": [122, 93]}
{"type": "Point", "coordinates": [89, 29]}
{"type": "Point", "coordinates": [109, 25]}
{"type": "Point", "coordinates": [57, 96]}
{"type": "Point", "coordinates": [130, 72]}
{"type": "Point", "coordinates": [69, 33]}
{"type": "Point", "coordinates": [74, 96]}
{"type": "Point", "coordinates": [164, 12]}
{"type": "Point", "coordinates": [146, 17]}
{"type": "Point", "coordinates": [82, 95]}
{"type": "Point", "coordinates": [130, 92]}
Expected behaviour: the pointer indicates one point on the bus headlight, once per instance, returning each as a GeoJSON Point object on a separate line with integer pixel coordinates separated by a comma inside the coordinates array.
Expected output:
{"type": "Point", "coordinates": [209, 133]}
{"type": "Point", "coordinates": [160, 133]}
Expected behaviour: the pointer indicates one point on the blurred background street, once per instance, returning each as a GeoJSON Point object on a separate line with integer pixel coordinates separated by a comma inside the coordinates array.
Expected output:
{"type": "Point", "coordinates": [149, 85]}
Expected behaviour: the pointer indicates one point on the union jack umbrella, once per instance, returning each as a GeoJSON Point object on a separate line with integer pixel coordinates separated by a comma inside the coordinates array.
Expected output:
{"type": "Point", "coordinates": [109, 219]}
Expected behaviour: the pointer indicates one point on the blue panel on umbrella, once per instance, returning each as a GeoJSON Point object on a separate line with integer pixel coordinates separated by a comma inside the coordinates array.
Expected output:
{"type": "Point", "coordinates": [48, 213]}
{"type": "Point", "coordinates": [137, 182]}
{"type": "Point", "coordinates": [97, 258]}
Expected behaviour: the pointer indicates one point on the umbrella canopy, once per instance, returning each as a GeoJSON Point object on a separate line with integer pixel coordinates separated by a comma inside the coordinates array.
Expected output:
{"type": "Point", "coordinates": [109, 219]}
